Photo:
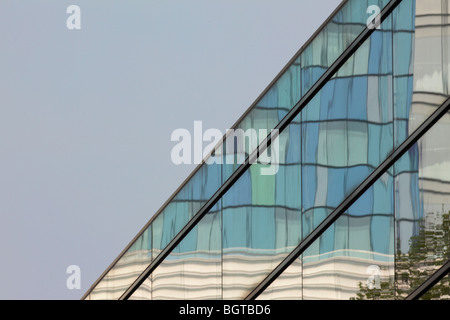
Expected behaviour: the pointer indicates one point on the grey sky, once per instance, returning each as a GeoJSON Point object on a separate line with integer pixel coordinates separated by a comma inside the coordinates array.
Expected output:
{"type": "Point", "coordinates": [86, 117]}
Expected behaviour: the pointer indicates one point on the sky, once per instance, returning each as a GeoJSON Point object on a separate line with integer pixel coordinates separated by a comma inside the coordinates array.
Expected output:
{"type": "Point", "coordinates": [86, 117]}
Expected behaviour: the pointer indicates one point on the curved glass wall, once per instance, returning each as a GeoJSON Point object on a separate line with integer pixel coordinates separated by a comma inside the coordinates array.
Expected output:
{"type": "Point", "coordinates": [345, 25]}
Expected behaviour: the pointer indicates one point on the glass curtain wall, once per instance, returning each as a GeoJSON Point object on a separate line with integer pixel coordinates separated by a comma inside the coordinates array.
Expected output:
{"type": "Point", "coordinates": [387, 243]}
{"type": "Point", "coordinates": [397, 234]}
{"type": "Point", "coordinates": [340, 137]}
{"type": "Point", "coordinates": [334, 37]}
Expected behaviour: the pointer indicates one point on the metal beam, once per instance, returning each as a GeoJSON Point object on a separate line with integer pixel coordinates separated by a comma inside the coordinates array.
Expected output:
{"type": "Point", "coordinates": [430, 282]}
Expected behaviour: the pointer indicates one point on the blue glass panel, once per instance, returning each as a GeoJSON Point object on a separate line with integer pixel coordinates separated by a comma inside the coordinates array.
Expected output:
{"type": "Point", "coordinates": [380, 239]}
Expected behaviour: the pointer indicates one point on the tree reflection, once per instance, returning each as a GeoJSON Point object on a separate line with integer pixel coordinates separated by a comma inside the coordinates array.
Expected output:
{"type": "Point", "coordinates": [428, 251]}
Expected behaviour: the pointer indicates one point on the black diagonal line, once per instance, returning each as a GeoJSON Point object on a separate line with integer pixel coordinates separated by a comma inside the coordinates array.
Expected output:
{"type": "Point", "coordinates": [354, 196]}
{"type": "Point", "coordinates": [363, 36]}
{"type": "Point", "coordinates": [430, 282]}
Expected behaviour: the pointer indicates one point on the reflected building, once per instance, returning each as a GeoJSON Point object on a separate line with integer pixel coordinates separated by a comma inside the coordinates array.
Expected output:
{"type": "Point", "coordinates": [390, 240]}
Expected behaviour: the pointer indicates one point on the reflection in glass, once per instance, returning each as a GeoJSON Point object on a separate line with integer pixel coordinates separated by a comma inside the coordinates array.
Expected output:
{"type": "Point", "coordinates": [265, 113]}
{"type": "Point", "coordinates": [347, 132]}
{"type": "Point", "coordinates": [431, 59]}
{"type": "Point", "coordinates": [288, 286]}
{"type": "Point", "coordinates": [387, 243]}
{"type": "Point", "coordinates": [421, 190]}
{"type": "Point", "coordinates": [144, 292]}
{"type": "Point", "coordinates": [423, 210]}
{"type": "Point", "coordinates": [356, 257]}
{"type": "Point", "coordinates": [115, 282]}
{"type": "Point", "coordinates": [422, 175]}
{"type": "Point", "coordinates": [428, 251]}
{"type": "Point", "coordinates": [440, 291]}
{"type": "Point", "coordinates": [357, 250]}
{"type": "Point", "coordinates": [261, 218]}
{"type": "Point", "coordinates": [193, 268]}
{"type": "Point", "coordinates": [262, 214]}
{"type": "Point", "coordinates": [422, 214]}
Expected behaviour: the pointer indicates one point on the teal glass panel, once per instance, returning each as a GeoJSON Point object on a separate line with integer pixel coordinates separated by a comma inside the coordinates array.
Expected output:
{"type": "Point", "coordinates": [339, 33]}
{"type": "Point", "coordinates": [259, 232]}
{"type": "Point", "coordinates": [347, 130]}
{"type": "Point", "coordinates": [250, 229]}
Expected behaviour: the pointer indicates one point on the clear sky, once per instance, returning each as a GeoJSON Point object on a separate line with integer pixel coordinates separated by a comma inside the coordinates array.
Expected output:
{"type": "Point", "coordinates": [86, 117]}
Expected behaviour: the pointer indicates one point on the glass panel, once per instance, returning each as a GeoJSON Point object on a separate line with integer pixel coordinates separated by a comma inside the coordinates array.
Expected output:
{"type": "Point", "coordinates": [376, 251]}
{"type": "Point", "coordinates": [261, 213]}
{"type": "Point", "coordinates": [422, 209]}
{"type": "Point", "coordinates": [358, 249]}
{"type": "Point", "coordinates": [162, 230]}
{"type": "Point", "coordinates": [407, 118]}
{"type": "Point", "coordinates": [329, 44]}
{"type": "Point", "coordinates": [288, 286]}
{"type": "Point", "coordinates": [431, 67]}
{"type": "Point", "coordinates": [261, 217]}
{"type": "Point", "coordinates": [266, 113]}
{"type": "Point", "coordinates": [404, 65]}
{"type": "Point", "coordinates": [144, 292]}
{"type": "Point", "coordinates": [422, 185]}
{"type": "Point", "coordinates": [330, 132]}
{"type": "Point", "coordinates": [130, 265]}
{"type": "Point", "coordinates": [346, 131]}
{"type": "Point", "coordinates": [193, 268]}
{"type": "Point", "coordinates": [356, 252]}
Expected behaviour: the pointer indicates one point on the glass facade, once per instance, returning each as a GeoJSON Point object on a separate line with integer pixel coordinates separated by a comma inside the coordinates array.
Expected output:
{"type": "Point", "coordinates": [386, 244]}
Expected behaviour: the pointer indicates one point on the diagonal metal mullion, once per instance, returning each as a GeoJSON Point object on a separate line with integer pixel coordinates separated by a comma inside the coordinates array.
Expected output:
{"type": "Point", "coordinates": [331, 71]}
{"type": "Point", "coordinates": [430, 282]}
{"type": "Point", "coordinates": [352, 198]}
